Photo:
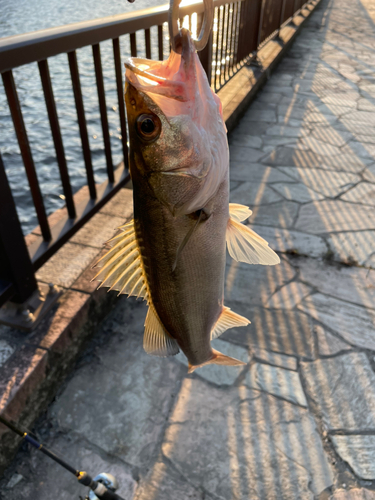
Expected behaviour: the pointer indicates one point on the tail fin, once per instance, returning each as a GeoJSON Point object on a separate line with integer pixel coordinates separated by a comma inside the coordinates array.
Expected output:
{"type": "Point", "coordinates": [218, 359]}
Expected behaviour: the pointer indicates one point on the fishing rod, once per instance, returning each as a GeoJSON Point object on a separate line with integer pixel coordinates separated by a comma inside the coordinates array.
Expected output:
{"type": "Point", "coordinates": [102, 486]}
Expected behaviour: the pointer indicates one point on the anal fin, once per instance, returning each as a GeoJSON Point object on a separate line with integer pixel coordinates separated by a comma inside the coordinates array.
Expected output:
{"type": "Point", "coordinates": [156, 340]}
{"type": "Point", "coordinates": [227, 319]}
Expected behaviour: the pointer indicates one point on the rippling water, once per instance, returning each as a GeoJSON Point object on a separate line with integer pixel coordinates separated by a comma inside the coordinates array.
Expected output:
{"type": "Point", "coordinates": [24, 16]}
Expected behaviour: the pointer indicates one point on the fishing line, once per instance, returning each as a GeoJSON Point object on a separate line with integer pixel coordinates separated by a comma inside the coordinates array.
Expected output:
{"type": "Point", "coordinates": [97, 486]}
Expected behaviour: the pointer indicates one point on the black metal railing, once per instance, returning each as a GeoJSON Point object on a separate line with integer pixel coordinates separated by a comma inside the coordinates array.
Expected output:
{"type": "Point", "coordinates": [239, 29]}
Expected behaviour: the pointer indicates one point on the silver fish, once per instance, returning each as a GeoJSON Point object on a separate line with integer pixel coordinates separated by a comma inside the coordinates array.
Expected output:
{"type": "Point", "coordinates": [173, 252]}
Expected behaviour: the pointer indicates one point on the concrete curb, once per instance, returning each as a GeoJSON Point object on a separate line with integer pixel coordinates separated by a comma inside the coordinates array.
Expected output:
{"type": "Point", "coordinates": [41, 361]}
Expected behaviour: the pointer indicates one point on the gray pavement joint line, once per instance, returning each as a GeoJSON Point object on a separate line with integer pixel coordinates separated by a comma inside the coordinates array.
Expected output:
{"type": "Point", "coordinates": [345, 432]}
{"type": "Point", "coordinates": [280, 398]}
{"type": "Point", "coordinates": [316, 290]}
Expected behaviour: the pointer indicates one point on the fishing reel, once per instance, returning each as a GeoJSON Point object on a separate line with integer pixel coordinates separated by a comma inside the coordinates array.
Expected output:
{"type": "Point", "coordinates": [108, 480]}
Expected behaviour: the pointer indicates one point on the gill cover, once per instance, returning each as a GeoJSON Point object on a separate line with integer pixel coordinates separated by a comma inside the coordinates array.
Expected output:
{"type": "Point", "coordinates": [190, 157]}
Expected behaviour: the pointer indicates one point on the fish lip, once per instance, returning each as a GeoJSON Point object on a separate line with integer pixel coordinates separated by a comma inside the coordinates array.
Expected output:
{"type": "Point", "coordinates": [131, 65]}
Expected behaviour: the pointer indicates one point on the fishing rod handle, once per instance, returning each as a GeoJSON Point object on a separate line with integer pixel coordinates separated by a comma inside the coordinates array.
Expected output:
{"type": "Point", "coordinates": [99, 489]}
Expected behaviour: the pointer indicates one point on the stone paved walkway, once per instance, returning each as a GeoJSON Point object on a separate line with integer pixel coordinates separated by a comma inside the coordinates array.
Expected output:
{"type": "Point", "coordinates": [298, 422]}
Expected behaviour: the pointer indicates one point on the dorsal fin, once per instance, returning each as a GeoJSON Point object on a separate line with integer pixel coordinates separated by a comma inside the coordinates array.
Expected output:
{"type": "Point", "coordinates": [156, 340]}
{"type": "Point", "coordinates": [244, 244]}
{"type": "Point", "coordinates": [227, 319]}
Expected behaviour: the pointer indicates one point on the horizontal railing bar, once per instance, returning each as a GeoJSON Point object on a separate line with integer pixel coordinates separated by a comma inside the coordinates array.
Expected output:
{"type": "Point", "coordinates": [30, 47]}
{"type": "Point", "coordinates": [74, 73]}
{"type": "Point", "coordinates": [56, 135]}
{"type": "Point", "coordinates": [40, 251]}
{"type": "Point", "coordinates": [23, 141]}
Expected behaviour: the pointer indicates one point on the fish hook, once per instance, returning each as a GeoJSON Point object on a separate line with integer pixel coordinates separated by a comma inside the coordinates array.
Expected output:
{"type": "Point", "coordinates": [204, 34]}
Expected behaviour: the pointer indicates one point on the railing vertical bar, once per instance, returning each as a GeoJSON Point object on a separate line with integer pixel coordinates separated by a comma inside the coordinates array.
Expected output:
{"type": "Point", "coordinates": [133, 45]}
{"type": "Point", "coordinates": [15, 262]}
{"type": "Point", "coordinates": [261, 23]}
{"type": "Point", "coordinates": [234, 30]}
{"type": "Point", "coordinates": [227, 44]}
{"type": "Point", "coordinates": [238, 21]}
{"type": "Point", "coordinates": [160, 42]}
{"type": "Point", "coordinates": [231, 56]}
{"type": "Point", "coordinates": [222, 67]}
{"type": "Point", "coordinates": [120, 97]}
{"type": "Point", "coordinates": [148, 43]}
{"type": "Point", "coordinates": [282, 14]}
{"type": "Point", "coordinates": [103, 110]}
{"type": "Point", "coordinates": [27, 158]}
{"type": "Point", "coordinates": [217, 47]}
{"type": "Point", "coordinates": [77, 91]}
{"type": "Point", "coordinates": [56, 135]}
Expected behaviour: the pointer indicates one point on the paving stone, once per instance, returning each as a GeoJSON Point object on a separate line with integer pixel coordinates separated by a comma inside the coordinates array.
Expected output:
{"type": "Point", "coordinates": [369, 174]}
{"type": "Point", "coordinates": [347, 283]}
{"type": "Point", "coordinates": [247, 444]}
{"type": "Point", "coordinates": [289, 295]}
{"type": "Point", "coordinates": [6, 351]}
{"type": "Point", "coordinates": [334, 215]}
{"type": "Point", "coordinates": [281, 214]}
{"type": "Point", "coordinates": [297, 192]}
{"type": "Point", "coordinates": [67, 264]}
{"type": "Point", "coordinates": [250, 194]}
{"type": "Point", "coordinates": [288, 156]}
{"type": "Point", "coordinates": [359, 452]}
{"type": "Point", "coordinates": [260, 115]}
{"type": "Point", "coordinates": [361, 150]}
{"type": "Point", "coordinates": [355, 247]}
{"type": "Point", "coordinates": [98, 230]}
{"type": "Point", "coordinates": [256, 173]}
{"type": "Point", "coordinates": [264, 282]}
{"type": "Point", "coordinates": [332, 136]}
{"type": "Point", "coordinates": [354, 494]}
{"type": "Point", "coordinates": [130, 395]}
{"type": "Point", "coordinates": [363, 193]}
{"type": "Point", "coordinates": [296, 242]}
{"type": "Point", "coordinates": [354, 324]}
{"type": "Point", "coordinates": [343, 389]}
{"type": "Point", "coordinates": [329, 344]}
{"type": "Point", "coordinates": [44, 479]}
{"type": "Point", "coordinates": [121, 205]}
{"type": "Point", "coordinates": [240, 153]}
{"type": "Point", "coordinates": [287, 332]}
{"type": "Point", "coordinates": [221, 375]}
{"type": "Point", "coordinates": [274, 358]}
{"type": "Point", "coordinates": [249, 141]}
{"type": "Point", "coordinates": [276, 381]}
{"type": "Point", "coordinates": [165, 483]}
{"type": "Point", "coordinates": [326, 182]}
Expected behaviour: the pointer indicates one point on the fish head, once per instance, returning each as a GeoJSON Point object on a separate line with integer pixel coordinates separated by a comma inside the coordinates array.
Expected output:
{"type": "Point", "coordinates": [176, 130]}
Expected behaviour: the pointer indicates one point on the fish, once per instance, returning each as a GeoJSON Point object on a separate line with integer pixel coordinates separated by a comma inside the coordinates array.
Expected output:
{"type": "Point", "coordinates": [173, 252]}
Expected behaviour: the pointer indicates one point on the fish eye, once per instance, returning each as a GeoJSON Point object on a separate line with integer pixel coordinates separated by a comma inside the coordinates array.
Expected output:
{"type": "Point", "coordinates": [148, 127]}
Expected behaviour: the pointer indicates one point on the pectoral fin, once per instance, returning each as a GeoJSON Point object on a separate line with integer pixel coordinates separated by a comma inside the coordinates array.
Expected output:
{"type": "Point", "coordinates": [121, 267]}
{"type": "Point", "coordinates": [218, 359]}
{"type": "Point", "coordinates": [244, 244]}
{"type": "Point", "coordinates": [156, 340]}
{"type": "Point", "coordinates": [227, 319]}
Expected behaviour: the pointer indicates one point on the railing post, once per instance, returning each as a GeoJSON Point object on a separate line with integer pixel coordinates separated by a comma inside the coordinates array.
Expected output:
{"type": "Point", "coordinates": [15, 263]}
{"type": "Point", "coordinates": [282, 14]}
{"type": "Point", "coordinates": [205, 57]}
